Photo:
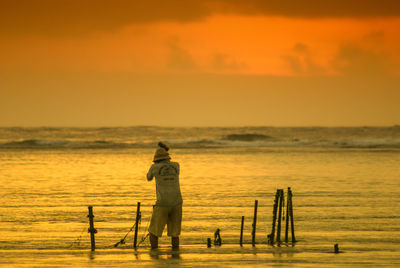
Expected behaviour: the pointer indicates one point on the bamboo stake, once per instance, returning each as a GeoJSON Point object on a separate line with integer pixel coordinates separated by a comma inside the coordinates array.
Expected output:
{"type": "Point", "coordinates": [287, 219]}
{"type": "Point", "coordinates": [136, 225]}
{"type": "Point", "coordinates": [291, 214]}
{"type": "Point", "coordinates": [278, 233]}
{"type": "Point", "coordinates": [241, 232]}
{"type": "Point", "coordinates": [272, 235]}
{"type": "Point", "coordinates": [91, 229]}
{"type": "Point", "coordinates": [253, 233]}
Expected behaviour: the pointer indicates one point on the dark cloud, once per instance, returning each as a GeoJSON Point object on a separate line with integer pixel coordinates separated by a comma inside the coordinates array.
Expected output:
{"type": "Point", "coordinates": [65, 17]}
{"type": "Point", "coordinates": [61, 17]}
{"type": "Point", "coordinates": [314, 8]}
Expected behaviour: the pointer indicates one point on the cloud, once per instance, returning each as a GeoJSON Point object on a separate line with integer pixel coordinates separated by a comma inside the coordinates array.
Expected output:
{"type": "Point", "coordinates": [301, 61]}
{"type": "Point", "coordinates": [313, 8]}
{"type": "Point", "coordinates": [76, 17]}
{"type": "Point", "coordinates": [179, 58]}
{"type": "Point", "coordinates": [65, 17]}
{"type": "Point", "coordinates": [354, 60]}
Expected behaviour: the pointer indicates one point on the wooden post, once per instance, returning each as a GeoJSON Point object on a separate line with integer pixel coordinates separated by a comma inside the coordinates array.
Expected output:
{"type": "Point", "coordinates": [272, 235]}
{"type": "Point", "coordinates": [278, 232]}
{"type": "Point", "coordinates": [91, 229]}
{"type": "Point", "coordinates": [253, 233]}
{"type": "Point", "coordinates": [136, 225]}
{"type": "Point", "coordinates": [291, 213]}
{"type": "Point", "coordinates": [287, 219]}
{"type": "Point", "coordinates": [241, 232]}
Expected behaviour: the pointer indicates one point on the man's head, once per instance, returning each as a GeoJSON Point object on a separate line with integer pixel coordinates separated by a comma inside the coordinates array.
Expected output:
{"type": "Point", "coordinates": [161, 153]}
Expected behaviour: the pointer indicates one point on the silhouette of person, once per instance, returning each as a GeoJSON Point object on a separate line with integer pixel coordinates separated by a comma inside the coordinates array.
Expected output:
{"type": "Point", "coordinates": [168, 207]}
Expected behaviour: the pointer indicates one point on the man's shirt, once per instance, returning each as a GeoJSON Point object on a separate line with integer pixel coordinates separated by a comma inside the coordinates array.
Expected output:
{"type": "Point", "coordinates": [167, 183]}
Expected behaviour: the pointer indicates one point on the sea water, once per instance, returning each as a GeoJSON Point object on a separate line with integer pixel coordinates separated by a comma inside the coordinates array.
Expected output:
{"type": "Point", "coordinates": [345, 183]}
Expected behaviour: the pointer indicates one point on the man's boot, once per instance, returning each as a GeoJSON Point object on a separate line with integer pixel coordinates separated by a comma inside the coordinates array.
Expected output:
{"type": "Point", "coordinates": [175, 242]}
{"type": "Point", "coordinates": [153, 241]}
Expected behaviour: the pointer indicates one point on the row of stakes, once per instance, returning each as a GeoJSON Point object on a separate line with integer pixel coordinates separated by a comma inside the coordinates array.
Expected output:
{"type": "Point", "coordinates": [277, 217]}
{"type": "Point", "coordinates": [276, 223]}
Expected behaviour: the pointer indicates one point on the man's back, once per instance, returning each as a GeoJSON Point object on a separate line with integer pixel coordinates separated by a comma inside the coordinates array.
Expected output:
{"type": "Point", "coordinates": [167, 182]}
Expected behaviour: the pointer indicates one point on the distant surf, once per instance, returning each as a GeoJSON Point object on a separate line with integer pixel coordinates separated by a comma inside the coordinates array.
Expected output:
{"type": "Point", "coordinates": [215, 137]}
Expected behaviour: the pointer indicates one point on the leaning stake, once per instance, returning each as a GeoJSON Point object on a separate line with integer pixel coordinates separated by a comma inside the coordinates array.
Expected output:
{"type": "Point", "coordinates": [253, 233]}
{"type": "Point", "coordinates": [271, 237]}
{"type": "Point", "coordinates": [241, 232]}
{"type": "Point", "coordinates": [91, 229]}
{"type": "Point", "coordinates": [136, 224]}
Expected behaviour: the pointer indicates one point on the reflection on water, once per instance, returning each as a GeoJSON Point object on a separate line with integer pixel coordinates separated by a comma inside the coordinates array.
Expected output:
{"type": "Point", "coordinates": [156, 254]}
{"type": "Point", "coordinates": [342, 196]}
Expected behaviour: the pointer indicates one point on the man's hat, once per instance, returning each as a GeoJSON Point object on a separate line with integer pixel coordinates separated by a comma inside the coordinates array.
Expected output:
{"type": "Point", "coordinates": [161, 152]}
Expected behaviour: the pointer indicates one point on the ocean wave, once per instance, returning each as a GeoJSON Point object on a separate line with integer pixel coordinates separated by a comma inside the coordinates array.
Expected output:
{"type": "Point", "coordinates": [248, 137]}
{"type": "Point", "coordinates": [236, 141]}
{"type": "Point", "coordinates": [56, 144]}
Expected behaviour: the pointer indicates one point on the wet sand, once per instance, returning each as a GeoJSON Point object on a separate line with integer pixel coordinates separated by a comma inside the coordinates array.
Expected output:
{"type": "Point", "coordinates": [201, 256]}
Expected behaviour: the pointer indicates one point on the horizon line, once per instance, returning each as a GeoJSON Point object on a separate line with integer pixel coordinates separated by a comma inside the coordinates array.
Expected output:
{"type": "Point", "coordinates": [197, 126]}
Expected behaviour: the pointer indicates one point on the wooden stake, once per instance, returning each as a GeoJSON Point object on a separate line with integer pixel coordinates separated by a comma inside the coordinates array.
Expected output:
{"type": "Point", "coordinates": [91, 229]}
{"type": "Point", "coordinates": [241, 232]}
{"type": "Point", "coordinates": [136, 225]}
{"type": "Point", "coordinates": [271, 237]}
{"type": "Point", "coordinates": [278, 232]}
{"type": "Point", "coordinates": [253, 233]}
{"type": "Point", "coordinates": [291, 213]}
{"type": "Point", "coordinates": [287, 219]}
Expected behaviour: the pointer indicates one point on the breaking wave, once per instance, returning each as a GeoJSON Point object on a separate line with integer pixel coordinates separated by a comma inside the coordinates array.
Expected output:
{"type": "Point", "coordinates": [197, 137]}
{"type": "Point", "coordinates": [247, 137]}
{"type": "Point", "coordinates": [245, 140]}
{"type": "Point", "coordinates": [57, 144]}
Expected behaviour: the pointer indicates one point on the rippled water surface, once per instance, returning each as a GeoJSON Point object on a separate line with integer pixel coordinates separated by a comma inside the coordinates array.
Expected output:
{"type": "Point", "coordinates": [341, 195]}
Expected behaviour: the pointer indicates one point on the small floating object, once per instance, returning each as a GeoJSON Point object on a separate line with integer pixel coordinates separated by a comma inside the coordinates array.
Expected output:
{"type": "Point", "coordinates": [217, 238]}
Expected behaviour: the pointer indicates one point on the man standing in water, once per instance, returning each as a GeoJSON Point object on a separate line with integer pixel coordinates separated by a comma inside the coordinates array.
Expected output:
{"type": "Point", "coordinates": [168, 208]}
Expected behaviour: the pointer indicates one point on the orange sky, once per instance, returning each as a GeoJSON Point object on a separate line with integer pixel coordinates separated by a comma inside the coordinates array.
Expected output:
{"type": "Point", "coordinates": [221, 62]}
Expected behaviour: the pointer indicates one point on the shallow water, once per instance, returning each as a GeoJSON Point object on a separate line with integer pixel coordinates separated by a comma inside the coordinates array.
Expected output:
{"type": "Point", "coordinates": [346, 196]}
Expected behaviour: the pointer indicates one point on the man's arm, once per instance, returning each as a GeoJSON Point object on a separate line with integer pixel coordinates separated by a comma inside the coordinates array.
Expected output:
{"type": "Point", "coordinates": [150, 175]}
